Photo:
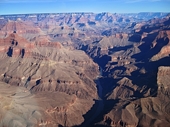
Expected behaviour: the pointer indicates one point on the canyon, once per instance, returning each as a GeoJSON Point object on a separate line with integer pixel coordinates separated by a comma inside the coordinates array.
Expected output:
{"type": "Point", "coordinates": [85, 69]}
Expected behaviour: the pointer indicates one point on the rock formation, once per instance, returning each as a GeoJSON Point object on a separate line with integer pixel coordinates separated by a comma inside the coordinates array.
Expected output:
{"type": "Point", "coordinates": [43, 65]}
{"type": "Point", "coordinates": [48, 70]}
{"type": "Point", "coordinates": [150, 111]}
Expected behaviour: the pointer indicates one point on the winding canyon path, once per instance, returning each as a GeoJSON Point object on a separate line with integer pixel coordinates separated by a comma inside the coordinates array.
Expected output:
{"type": "Point", "coordinates": [100, 104]}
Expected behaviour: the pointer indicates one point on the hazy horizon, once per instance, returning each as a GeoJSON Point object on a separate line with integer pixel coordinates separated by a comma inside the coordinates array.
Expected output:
{"type": "Point", "coordinates": [81, 12]}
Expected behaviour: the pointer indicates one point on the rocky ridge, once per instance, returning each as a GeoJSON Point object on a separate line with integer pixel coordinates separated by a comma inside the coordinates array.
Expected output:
{"type": "Point", "coordinates": [132, 54]}
{"type": "Point", "coordinates": [47, 70]}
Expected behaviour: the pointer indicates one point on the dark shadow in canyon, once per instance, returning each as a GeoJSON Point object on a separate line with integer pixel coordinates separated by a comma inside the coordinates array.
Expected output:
{"type": "Point", "coordinates": [90, 113]}
{"type": "Point", "coordinates": [147, 52]}
{"type": "Point", "coordinates": [22, 53]}
{"type": "Point", "coordinates": [108, 84]}
{"type": "Point", "coordinates": [108, 106]}
{"type": "Point", "coordinates": [102, 61]}
{"type": "Point", "coordinates": [148, 79]}
{"type": "Point", "coordinates": [135, 38]}
{"type": "Point", "coordinates": [10, 52]}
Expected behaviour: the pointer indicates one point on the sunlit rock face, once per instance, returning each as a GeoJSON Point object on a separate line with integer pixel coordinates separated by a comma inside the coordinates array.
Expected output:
{"type": "Point", "coordinates": [50, 72]}
{"type": "Point", "coordinates": [60, 69]}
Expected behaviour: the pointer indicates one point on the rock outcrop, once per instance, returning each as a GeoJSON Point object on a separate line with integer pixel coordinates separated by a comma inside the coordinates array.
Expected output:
{"type": "Point", "coordinates": [43, 66]}
{"type": "Point", "coordinates": [48, 64]}
{"type": "Point", "coordinates": [23, 28]}
{"type": "Point", "coordinates": [138, 79]}
{"type": "Point", "coordinates": [163, 80]}
{"type": "Point", "coordinates": [50, 73]}
{"type": "Point", "coordinates": [21, 108]}
{"type": "Point", "coordinates": [149, 111]}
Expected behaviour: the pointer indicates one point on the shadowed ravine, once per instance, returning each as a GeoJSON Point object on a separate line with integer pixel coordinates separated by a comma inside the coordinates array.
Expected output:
{"type": "Point", "coordinates": [50, 75]}
{"type": "Point", "coordinates": [99, 105]}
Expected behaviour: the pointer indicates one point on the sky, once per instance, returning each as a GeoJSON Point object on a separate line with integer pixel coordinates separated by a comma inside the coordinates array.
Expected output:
{"type": "Point", "coordinates": [96, 6]}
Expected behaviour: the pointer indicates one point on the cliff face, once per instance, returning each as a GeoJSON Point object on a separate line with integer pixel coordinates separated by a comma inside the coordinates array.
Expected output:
{"type": "Point", "coordinates": [145, 111]}
{"type": "Point", "coordinates": [47, 64]}
{"type": "Point", "coordinates": [163, 37]}
{"type": "Point", "coordinates": [163, 80]}
{"type": "Point", "coordinates": [136, 77]}
{"type": "Point", "coordinates": [43, 65]}
{"type": "Point", "coordinates": [24, 29]}
{"type": "Point", "coordinates": [19, 107]}
{"type": "Point", "coordinates": [72, 28]}
{"type": "Point", "coordinates": [49, 71]}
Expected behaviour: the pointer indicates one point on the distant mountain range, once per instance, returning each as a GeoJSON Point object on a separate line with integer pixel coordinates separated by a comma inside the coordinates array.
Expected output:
{"type": "Point", "coordinates": [98, 16]}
